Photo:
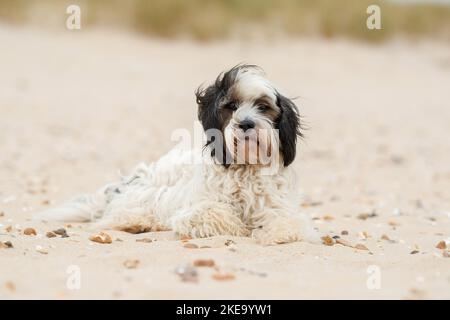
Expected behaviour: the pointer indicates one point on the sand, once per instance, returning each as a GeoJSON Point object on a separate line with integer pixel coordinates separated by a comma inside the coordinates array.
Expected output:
{"type": "Point", "coordinates": [77, 108]}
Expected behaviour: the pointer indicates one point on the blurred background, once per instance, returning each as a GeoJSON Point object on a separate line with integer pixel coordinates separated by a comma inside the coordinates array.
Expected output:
{"type": "Point", "coordinates": [213, 19]}
{"type": "Point", "coordinates": [112, 92]}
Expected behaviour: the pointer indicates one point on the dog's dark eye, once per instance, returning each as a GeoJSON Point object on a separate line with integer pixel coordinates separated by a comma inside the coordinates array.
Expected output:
{"type": "Point", "coordinates": [263, 107]}
{"type": "Point", "coordinates": [231, 106]}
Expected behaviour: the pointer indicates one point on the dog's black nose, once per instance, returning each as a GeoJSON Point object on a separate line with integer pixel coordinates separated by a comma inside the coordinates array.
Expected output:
{"type": "Point", "coordinates": [246, 124]}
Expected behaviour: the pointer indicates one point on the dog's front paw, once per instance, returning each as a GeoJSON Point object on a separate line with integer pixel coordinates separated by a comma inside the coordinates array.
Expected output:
{"type": "Point", "coordinates": [281, 230]}
{"type": "Point", "coordinates": [208, 224]}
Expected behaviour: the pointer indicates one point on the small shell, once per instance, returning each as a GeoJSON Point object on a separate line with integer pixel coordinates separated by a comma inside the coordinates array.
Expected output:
{"type": "Point", "coordinates": [328, 241]}
{"type": "Point", "coordinates": [102, 237]}
{"type": "Point", "coordinates": [343, 242]}
{"type": "Point", "coordinates": [360, 246]}
{"type": "Point", "coordinates": [40, 249]}
{"type": "Point", "coordinates": [441, 245]}
{"type": "Point", "coordinates": [223, 276]}
{"type": "Point", "coordinates": [385, 237]}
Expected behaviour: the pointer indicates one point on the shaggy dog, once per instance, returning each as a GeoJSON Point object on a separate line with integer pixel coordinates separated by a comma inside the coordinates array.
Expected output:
{"type": "Point", "coordinates": [240, 184]}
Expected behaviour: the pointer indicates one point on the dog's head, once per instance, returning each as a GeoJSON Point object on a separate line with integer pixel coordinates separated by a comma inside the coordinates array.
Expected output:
{"type": "Point", "coordinates": [246, 120]}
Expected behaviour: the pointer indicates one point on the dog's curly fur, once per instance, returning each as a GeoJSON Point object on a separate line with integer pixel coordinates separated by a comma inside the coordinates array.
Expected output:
{"type": "Point", "coordinates": [216, 198]}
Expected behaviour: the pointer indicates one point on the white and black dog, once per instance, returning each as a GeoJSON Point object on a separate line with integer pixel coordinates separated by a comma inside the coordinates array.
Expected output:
{"type": "Point", "coordinates": [239, 184]}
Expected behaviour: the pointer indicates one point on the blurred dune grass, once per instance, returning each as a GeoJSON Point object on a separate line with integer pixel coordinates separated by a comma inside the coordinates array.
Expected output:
{"type": "Point", "coordinates": [212, 19]}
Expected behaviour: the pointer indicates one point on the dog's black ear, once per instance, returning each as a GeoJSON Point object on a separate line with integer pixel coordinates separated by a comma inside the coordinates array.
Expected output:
{"type": "Point", "coordinates": [208, 115]}
{"type": "Point", "coordinates": [288, 125]}
{"type": "Point", "coordinates": [208, 100]}
{"type": "Point", "coordinates": [207, 110]}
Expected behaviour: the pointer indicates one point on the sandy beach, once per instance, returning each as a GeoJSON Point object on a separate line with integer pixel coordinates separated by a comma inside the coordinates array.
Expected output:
{"type": "Point", "coordinates": [78, 108]}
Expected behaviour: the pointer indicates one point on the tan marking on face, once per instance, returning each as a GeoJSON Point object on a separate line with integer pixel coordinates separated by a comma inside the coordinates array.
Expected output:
{"type": "Point", "coordinates": [272, 111]}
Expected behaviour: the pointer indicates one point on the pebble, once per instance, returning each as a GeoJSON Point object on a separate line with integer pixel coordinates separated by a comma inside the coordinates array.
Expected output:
{"type": "Point", "coordinates": [385, 237]}
{"type": "Point", "coordinates": [365, 216]}
{"type": "Point", "coordinates": [61, 232]}
{"type": "Point", "coordinates": [146, 240]}
{"type": "Point", "coordinates": [50, 234]}
{"type": "Point", "coordinates": [10, 286]}
{"type": "Point", "coordinates": [6, 245]}
{"type": "Point", "coordinates": [441, 245]}
{"type": "Point", "coordinates": [131, 263]}
{"type": "Point", "coordinates": [328, 241]}
{"type": "Point", "coordinates": [187, 273]}
{"type": "Point", "coordinates": [311, 204]}
{"type": "Point", "coordinates": [190, 246]}
{"type": "Point", "coordinates": [29, 232]}
{"type": "Point", "coordinates": [229, 242]}
{"type": "Point", "coordinates": [204, 263]}
{"type": "Point", "coordinates": [393, 223]}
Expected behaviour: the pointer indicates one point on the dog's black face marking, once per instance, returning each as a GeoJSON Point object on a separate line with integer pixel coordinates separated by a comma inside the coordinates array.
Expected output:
{"type": "Point", "coordinates": [218, 103]}
{"type": "Point", "coordinates": [215, 110]}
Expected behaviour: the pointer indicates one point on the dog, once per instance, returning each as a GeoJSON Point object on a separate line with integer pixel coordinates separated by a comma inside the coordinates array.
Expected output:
{"type": "Point", "coordinates": [239, 184]}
